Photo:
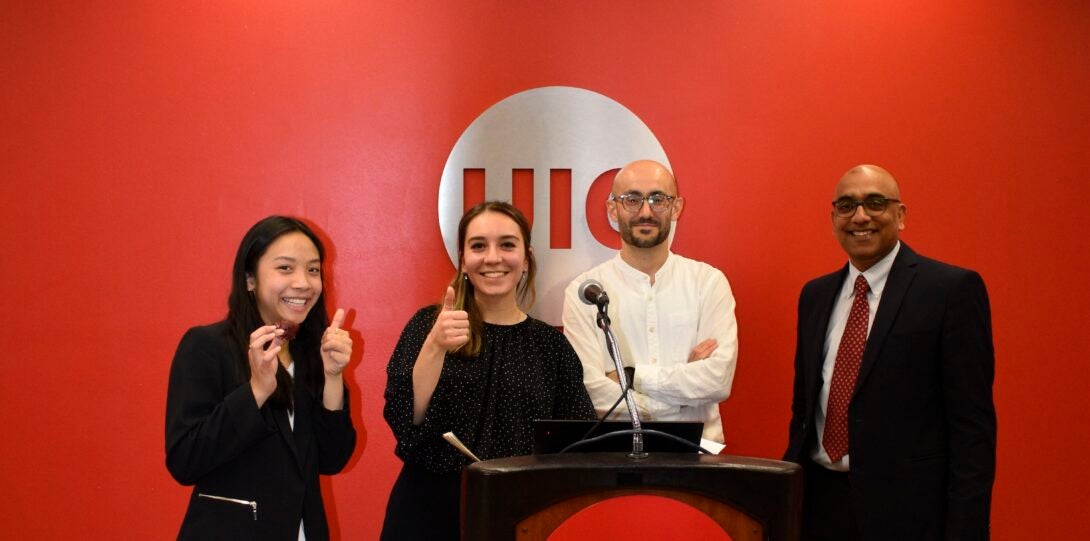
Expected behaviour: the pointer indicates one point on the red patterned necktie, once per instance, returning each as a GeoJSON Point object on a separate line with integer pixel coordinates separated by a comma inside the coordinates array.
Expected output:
{"type": "Point", "coordinates": [848, 357]}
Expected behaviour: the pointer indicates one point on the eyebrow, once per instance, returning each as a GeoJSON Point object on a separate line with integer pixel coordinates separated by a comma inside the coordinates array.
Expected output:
{"type": "Point", "coordinates": [655, 192]}
{"type": "Point", "coordinates": [293, 260]}
{"type": "Point", "coordinates": [872, 194]}
{"type": "Point", "coordinates": [504, 237]}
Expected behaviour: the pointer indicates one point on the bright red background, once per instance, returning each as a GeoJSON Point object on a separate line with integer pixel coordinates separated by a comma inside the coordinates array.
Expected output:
{"type": "Point", "coordinates": [138, 143]}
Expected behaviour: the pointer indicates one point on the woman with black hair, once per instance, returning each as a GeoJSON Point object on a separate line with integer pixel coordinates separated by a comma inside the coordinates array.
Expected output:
{"type": "Point", "coordinates": [477, 365]}
{"type": "Point", "coordinates": [256, 405]}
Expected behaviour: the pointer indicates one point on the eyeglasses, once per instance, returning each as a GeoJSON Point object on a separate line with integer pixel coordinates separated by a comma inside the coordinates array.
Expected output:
{"type": "Point", "coordinates": [873, 205]}
{"type": "Point", "coordinates": [633, 202]}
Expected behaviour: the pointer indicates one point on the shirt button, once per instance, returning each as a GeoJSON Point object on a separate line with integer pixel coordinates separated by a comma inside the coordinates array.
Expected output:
{"type": "Point", "coordinates": [650, 329]}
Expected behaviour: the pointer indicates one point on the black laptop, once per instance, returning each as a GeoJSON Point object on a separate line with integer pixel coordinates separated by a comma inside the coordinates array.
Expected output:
{"type": "Point", "coordinates": [552, 436]}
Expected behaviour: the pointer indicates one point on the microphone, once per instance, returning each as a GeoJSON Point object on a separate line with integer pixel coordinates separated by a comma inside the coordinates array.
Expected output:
{"type": "Point", "coordinates": [591, 292]}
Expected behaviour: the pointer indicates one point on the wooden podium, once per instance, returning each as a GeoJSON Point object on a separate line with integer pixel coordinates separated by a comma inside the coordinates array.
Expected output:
{"type": "Point", "coordinates": [527, 497]}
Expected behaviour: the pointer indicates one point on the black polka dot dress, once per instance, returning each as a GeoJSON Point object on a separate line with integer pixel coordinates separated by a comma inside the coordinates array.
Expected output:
{"type": "Point", "coordinates": [525, 371]}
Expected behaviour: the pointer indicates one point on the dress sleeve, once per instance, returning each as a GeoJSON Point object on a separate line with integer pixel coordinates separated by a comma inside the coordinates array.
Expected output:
{"type": "Point", "coordinates": [210, 419]}
{"type": "Point", "coordinates": [415, 443]}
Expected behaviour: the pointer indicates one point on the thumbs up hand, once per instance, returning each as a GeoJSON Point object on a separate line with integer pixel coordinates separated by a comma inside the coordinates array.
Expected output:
{"type": "Point", "coordinates": [336, 346]}
{"type": "Point", "coordinates": [451, 329]}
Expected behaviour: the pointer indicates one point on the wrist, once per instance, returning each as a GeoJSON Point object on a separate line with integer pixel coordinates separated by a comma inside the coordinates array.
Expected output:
{"type": "Point", "coordinates": [261, 392]}
{"type": "Point", "coordinates": [432, 348]}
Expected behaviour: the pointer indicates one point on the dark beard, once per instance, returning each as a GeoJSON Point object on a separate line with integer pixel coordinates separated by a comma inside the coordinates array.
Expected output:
{"type": "Point", "coordinates": [629, 238]}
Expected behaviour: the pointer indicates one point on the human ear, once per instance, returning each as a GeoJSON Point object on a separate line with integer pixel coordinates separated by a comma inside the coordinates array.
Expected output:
{"type": "Point", "coordinates": [675, 212]}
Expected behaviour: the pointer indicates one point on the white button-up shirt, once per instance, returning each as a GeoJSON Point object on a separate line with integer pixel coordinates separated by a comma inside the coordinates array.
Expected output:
{"type": "Point", "coordinates": [876, 279]}
{"type": "Point", "coordinates": [656, 328]}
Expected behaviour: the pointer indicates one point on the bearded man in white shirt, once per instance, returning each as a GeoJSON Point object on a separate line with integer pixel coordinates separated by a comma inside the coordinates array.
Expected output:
{"type": "Point", "coordinates": [673, 317]}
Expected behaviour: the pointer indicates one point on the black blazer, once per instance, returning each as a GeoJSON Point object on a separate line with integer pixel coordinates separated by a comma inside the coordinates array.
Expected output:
{"type": "Point", "coordinates": [218, 440]}
{"type": "Point", "coordinates": [922, 426]}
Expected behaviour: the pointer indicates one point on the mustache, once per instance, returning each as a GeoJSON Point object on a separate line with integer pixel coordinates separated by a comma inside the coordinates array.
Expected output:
{"type": "Point", "coordinates": [645, 221]}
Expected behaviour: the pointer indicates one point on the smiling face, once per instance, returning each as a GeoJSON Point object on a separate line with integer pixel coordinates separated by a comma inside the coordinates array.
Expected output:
{"type": "Point", "coordinates": [494, 256]}
{"type": "Point", "coordinates": [287, 280]}
{"type": "Point", "coordinates": [867, 239]}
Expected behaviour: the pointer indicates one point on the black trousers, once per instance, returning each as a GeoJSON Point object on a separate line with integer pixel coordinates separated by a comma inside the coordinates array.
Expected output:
{"type": "Point", "coordinates": [827, 510]}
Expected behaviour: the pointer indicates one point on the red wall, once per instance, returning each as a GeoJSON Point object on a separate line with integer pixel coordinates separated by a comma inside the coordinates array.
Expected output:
{"type": "Point", "coordinates": [137, 144]}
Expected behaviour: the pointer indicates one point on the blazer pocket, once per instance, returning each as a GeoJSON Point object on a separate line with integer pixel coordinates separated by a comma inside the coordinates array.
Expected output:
{"type": "Point", "coordinates": [928, 456]}
{"type": "Point", "coordinates": [927, 468]}
{"type": "Point", "coordinates": [248, 503]}
{"type": "Point", "coordinates": [224, 517]}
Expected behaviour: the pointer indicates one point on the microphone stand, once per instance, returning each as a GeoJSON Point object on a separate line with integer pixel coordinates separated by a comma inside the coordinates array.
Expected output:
{"type": "Point", "coordinates": [615, 353]}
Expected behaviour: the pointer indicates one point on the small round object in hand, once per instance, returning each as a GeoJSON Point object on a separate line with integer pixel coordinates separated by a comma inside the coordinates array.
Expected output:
{"type": "Point", "coordinates": [290, 328]}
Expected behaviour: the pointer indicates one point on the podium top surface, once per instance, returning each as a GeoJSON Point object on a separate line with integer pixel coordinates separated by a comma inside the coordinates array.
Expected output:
{"type": "Point", "coordinates": [621, 461]}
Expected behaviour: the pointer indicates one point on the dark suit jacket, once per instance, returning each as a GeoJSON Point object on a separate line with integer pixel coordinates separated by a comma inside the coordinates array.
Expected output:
{"type": "Point", "coordinates": [218, 440]}
{"type": "Point", "coordinates": [922, 427]}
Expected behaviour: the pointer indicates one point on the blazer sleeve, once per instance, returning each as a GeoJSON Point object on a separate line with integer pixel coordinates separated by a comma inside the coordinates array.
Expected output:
{"type": "Point", "coordinates": [968, 372]}
{"type": "Point", "coordinates": [335, 435]}
{"type": "Point", "coordinates": [210, 419]}
{"type": "Point", "coordinates": [796, 431]}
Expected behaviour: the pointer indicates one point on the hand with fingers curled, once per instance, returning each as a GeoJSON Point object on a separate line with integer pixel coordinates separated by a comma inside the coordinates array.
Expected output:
{"type": "Point", "coordinates": [336, 346]}
{"type": "Point", "coordinates": [703, 350]}
{"type": "Point", "coordinates": [265, 344]}
{"type": "Point", "coordinates": [451, 329]}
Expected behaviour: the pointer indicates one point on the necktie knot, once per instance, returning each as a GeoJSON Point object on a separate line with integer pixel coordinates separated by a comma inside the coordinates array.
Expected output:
{"type": "Point", "coordinates": [861, 285]}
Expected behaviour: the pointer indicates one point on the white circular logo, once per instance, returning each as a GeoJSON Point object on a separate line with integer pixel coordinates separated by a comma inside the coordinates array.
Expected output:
{"type": "Point", "coordinates": [530, 146]}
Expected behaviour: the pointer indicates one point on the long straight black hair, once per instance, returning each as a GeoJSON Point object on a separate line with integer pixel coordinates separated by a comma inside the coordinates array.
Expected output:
{"type": "Point", "coordinates": [244, 318]}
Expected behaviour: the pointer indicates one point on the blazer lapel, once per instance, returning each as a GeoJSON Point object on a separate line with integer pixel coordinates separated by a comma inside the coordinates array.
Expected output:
{"type": "Point", "coordinates": [303, 414]}
{"type": "Point", "coordinates": [900, 279]}
{"type": "Point", "coordinates": [283, 426]}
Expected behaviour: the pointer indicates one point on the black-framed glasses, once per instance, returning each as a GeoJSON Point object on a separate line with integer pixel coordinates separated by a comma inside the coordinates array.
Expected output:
{"type": "Point", "coordinates": [633, 202]}
{"type": "Point", "coordinates": [873, 205]}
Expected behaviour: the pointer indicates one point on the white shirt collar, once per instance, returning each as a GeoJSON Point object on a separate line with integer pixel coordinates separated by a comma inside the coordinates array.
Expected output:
{"type": "Point", "coordinates": [876, 275]}
{"type": "Point", "coordinates": [632, 273]}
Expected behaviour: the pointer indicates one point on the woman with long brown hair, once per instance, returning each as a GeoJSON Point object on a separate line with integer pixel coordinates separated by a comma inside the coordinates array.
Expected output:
{"type": "Point", "coordinates": [478, 366]}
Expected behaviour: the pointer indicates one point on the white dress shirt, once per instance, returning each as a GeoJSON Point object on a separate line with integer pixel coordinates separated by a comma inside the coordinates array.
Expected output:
{"type": "Point", "coordinates": [876, 279]}
{"type": "Point", "coordinates": [656, 328]}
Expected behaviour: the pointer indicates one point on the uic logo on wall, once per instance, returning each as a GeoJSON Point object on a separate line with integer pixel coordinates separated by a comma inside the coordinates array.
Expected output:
{"type": "Point", "coordinates": [542, 150]}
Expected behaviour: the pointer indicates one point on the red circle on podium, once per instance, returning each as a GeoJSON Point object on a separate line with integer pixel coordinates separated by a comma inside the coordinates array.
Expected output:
{"type": "Point", "coordinates": [639, 517]}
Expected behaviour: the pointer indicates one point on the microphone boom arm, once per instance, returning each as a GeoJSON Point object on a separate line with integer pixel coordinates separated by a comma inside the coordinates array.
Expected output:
{"type": "Point", "coordinates": [618, 364]}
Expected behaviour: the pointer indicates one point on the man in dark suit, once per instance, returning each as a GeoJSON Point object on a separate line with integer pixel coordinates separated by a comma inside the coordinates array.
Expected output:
{"type": "Point", "coordinates": [892, 416]}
